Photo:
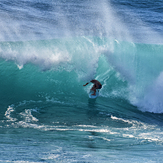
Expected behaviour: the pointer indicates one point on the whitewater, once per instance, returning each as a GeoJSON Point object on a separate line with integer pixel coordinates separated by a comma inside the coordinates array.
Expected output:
{"type": "Point", "coordinates": [49, 50]}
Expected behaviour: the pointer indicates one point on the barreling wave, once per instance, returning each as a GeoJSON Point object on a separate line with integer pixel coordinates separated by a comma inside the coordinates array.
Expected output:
{"type": "Point", "coordinates": [32, 70]}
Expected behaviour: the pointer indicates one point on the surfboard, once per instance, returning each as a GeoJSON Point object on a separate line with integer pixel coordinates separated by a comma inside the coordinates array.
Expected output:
{"type": "Point", "coordinates": [93, 96]}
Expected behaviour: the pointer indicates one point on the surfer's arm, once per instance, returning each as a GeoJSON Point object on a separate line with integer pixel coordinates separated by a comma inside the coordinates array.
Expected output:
{"type": "Point", "coordinates": [85, 84]}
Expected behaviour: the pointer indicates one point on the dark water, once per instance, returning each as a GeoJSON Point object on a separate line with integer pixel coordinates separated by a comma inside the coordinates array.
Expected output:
{"type": "Point", "coordinates": [49, 49]}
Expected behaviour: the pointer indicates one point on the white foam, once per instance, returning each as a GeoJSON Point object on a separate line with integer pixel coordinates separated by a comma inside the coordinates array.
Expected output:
{"type": "Point", "coordinates": [8, 114]}
{"type": "Point", "coordinates": [31, 52]}
{"type": "Point", "coordinates": [28, 117]}
{"type": "Point", "coordinates": [153, 97]}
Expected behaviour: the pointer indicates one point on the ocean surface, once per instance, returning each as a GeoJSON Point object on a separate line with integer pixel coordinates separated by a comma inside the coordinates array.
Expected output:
{"type": "Point", "coordinates": [49, 49]}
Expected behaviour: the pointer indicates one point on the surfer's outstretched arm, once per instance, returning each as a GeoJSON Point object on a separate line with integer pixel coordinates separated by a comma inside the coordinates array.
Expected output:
{"type": "Point", "coordinates": [85, 84]}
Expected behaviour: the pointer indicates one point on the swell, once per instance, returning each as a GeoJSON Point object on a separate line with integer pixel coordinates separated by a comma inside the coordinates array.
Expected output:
{"type": "Point", "coordinates": [35, 70]}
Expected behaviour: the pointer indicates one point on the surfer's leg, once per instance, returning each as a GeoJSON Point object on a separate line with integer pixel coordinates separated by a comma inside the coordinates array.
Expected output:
{"type": "Point", "coordinates": [94, 89]}
{"type": "Point", "coordinates": [94, 92]}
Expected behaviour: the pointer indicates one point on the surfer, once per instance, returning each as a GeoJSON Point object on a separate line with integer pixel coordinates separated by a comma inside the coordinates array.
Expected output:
{"type": "Point", "coordinates": [97, 85]}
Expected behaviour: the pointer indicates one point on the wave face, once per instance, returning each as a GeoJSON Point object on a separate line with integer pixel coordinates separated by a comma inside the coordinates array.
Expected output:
{"type": "Point", "coordinates": [130, 71]}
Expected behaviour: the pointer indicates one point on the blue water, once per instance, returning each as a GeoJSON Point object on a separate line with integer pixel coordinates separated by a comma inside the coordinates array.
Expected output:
{"type": "Point", "coordinates": [49, 49]}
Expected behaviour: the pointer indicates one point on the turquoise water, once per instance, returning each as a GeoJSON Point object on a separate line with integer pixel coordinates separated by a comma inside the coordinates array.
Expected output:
{"type": "Point", "coordinates": [46, 114]}
{"type": "Point", "coordinates": [49, 50]}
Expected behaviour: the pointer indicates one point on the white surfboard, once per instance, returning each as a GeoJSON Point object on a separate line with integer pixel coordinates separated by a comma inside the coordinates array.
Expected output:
{"type": "Point", "coordinates": [93, 96]}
